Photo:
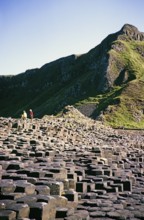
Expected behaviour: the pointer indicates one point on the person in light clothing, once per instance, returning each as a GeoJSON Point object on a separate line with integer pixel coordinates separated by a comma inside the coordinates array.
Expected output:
{"type": "Point", "coordinates": [24, 115]}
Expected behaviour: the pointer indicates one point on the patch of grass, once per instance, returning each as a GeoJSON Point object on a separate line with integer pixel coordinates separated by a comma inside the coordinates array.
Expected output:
{"type": "Point", "coordinates": [129, 113]}
{"type": "Point", "coordinates": [127, 59]}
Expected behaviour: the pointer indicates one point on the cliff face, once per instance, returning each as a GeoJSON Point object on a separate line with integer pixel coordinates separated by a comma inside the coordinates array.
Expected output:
{"type": "Point", "coordinates": [94, 82]}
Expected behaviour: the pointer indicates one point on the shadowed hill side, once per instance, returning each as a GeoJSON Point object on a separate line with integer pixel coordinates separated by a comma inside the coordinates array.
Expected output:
{"type": "Point", "coordinates": [94, 82]}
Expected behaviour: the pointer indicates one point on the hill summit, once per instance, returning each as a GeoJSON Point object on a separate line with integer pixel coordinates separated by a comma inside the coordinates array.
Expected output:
{"type": "Point", "coordinates": [106, 83]}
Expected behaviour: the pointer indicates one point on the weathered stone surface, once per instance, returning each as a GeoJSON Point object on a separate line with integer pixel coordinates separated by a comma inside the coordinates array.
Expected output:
{"type": "Point", "coordinates": [7, 186]}
{"type": "Point", "coordinates": [60, 201]}
{"type": "Point", "coordinates": [7, 215]}
{"type": "Point", "coordinates": [81, 187]}
{"type": "Point", "coordinates": [44, 190]}
{"type": "Point", "coordinates": [42, 211]}
{"type": "Point", "coordinates": [22, 210]}
{"type": "Point", "coordinates": [71, 195]}
{"type": "Point", "coordinates": [81, 215]}
{"type": "Point", "coordinates": [25, 187]}
{"type": "Point", "coordinates": [2, 205]}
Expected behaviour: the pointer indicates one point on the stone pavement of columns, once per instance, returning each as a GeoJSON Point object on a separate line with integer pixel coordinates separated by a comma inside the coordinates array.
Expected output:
{"type": "Point", "coordinates": [69, 168]}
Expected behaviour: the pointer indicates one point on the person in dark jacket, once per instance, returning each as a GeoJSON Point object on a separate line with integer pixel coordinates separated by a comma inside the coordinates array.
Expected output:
{"type": "Point", "coordinates": [31, 114]}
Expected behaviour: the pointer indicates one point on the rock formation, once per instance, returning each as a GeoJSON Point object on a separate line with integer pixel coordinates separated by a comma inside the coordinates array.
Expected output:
{"type": "Point", "coordinates": [70, 167]}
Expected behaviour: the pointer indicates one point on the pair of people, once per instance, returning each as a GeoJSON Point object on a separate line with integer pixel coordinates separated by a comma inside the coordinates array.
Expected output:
{"type": "Point", "coordinates": [24, 115]}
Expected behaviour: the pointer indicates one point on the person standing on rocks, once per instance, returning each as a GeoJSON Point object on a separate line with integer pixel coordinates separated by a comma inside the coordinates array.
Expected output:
{"type": "Point", "coordinates": [24, 115]}
{"type": "Point", "coordinates": [31, 114]}
{"type": "Point", "coordinates": [10, 124]}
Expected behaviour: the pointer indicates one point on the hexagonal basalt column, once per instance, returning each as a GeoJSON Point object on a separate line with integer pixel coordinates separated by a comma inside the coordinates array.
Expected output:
{"type": "Point", "coordinates": [81, 187]}
{"type": "Point", "coordinates": [71, 195]}
{"type": "Point", "coordinates": [7, 215]}
{"type": "Point", "coordinates": [41, 211]}
{"type": "Point", "coordinates": [24, 187]}
{"type": "Point", "coordinates": [22, 210]}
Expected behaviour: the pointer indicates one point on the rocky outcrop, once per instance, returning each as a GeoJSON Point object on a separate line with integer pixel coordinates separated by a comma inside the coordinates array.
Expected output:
{"type": "Point", "coordinates": [132, 32]}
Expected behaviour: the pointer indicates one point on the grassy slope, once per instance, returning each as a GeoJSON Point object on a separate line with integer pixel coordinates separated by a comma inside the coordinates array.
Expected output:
{"type": "Point", "coordinates": [123, 106]}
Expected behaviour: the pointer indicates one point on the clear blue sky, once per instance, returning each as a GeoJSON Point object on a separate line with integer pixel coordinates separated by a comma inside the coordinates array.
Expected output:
{"type": "Point", "coordinates": [36, 32]}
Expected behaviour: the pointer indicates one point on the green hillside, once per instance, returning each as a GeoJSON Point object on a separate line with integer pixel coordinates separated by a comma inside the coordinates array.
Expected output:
{"type": "Point", "coordinates": [123, 105]}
